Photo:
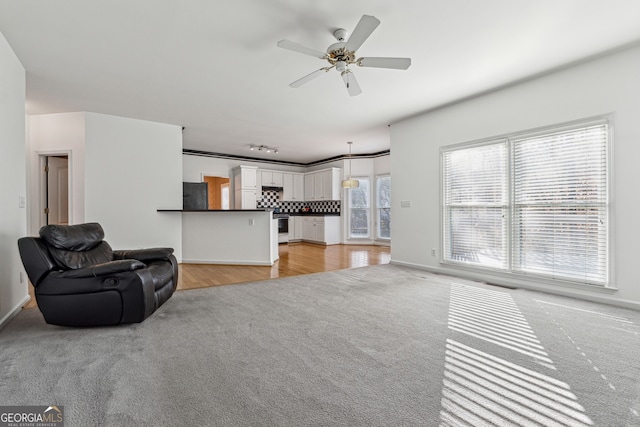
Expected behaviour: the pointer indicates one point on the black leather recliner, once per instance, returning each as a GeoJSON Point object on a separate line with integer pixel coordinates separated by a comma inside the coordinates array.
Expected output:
{"type": "Point", "coordinates": [80, 281]}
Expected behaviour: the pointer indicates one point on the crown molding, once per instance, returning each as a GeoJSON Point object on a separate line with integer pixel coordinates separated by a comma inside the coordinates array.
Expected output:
{"type": "Point", "coordinates": [201, 153]}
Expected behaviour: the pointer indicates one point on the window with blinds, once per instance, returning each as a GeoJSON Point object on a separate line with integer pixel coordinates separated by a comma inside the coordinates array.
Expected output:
{"type": "Point", "coordinates": [359, 208]}
{"type": "Point", "coordinates": [534, 204]}
{"type": "Point", "coordinates": [475, 205]}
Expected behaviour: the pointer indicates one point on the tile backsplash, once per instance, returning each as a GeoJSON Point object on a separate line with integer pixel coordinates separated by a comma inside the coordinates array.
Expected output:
{"type": "Point", "coordinates": [271, 199]}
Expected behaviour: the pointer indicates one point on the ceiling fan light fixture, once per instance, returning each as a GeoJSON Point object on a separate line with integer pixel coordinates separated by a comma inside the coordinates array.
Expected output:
{"type": "Point", "coordinates": [343, 53]}
{"type": "Point", "coordinates": [341, 34]}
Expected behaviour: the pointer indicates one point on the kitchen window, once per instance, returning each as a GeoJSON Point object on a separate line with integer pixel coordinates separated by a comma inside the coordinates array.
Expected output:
{"type": "Point", "coordinates": [359, 208]}
{"type": "Point", "coordinates": [533, 204]}
{"type": "Point", "coordinates": [383, 203]}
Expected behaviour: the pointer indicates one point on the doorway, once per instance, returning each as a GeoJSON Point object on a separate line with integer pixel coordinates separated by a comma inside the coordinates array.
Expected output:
{"type": "Point", "coordinates": [218, 191]}
{"type": "Point", "coordinates": [55, 189]}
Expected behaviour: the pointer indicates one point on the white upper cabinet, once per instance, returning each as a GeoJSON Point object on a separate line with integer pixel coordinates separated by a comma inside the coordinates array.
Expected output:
{"type": "Point", "coordinates": [245, 177]}
{"type": "Point", "coordinates": [309, 179]}
{"type": "Point", "coordinates": [322, 185]}
{"type": "Point", "coordinates": [293, 187]}
{"type": "Point", "coordinates": [271, 178]}
{"type": "Point", "coordinates": [244, 186]}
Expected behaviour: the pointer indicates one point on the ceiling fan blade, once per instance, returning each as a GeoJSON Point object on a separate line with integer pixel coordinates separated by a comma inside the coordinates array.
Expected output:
{"type": "Point", "coordinates": [395, 63]}
{"type": "Point", "coordinates": [308, 78]}
{"type": "Point", "coordinates": [297, 47]}
{"type": "Point", "coordinates": [351, 83]}
{"type": "Point", "coordinates": [363, 30]}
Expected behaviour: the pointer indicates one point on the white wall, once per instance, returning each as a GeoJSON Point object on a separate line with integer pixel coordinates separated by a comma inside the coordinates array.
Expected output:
{"type": "Point", "coordinates": [49, 134]}
{"type": "Point", "coordinates": [13, 218]}
{"type": "Point", "coordinates": [132, 168]}
{"type": "Point", "coordinates": [121, 171]}
{"type": "Point", "coordinates": [604, 85]}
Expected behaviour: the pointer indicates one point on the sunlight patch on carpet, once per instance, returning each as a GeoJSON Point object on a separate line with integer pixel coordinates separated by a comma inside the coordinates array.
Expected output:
{"type": "Point", "coordinates": [493, 316]}
{"type": "Point", "coordinates": [480, 389]}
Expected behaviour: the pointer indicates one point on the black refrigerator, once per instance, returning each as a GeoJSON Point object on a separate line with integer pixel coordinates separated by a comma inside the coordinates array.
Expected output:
{"type": "Point", "coordinates": [195, 196]}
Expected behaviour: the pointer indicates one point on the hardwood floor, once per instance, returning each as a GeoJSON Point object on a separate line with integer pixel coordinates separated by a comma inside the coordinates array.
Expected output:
{"type": "Point", "coordinates": [295, 259]}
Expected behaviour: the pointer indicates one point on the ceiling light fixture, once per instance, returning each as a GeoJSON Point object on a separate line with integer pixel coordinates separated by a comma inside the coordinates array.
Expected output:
{"type": "Point", "coordinates": [350, 183]}
{"type": "Point", "coordinates": [263, 148]}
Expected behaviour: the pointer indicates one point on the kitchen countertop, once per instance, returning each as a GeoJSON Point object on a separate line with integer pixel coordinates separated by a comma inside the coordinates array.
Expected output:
{"type": "Point", "coordinates": [254, 210]}
{"type": "Point", "coordinates": [213, 210]}
{"type": "Point", "coordinates": [314, 214]}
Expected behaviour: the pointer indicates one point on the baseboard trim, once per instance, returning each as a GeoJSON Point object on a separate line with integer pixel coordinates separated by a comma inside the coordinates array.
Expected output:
{"type": "Point", "coordinates": [515, 283]}
{"type": "Point", "coordinates": [225, 262]}
{"type": "Point", "coordinates": [14, 312]}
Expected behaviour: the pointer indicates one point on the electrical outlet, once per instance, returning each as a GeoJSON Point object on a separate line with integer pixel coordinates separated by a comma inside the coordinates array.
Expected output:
{"type": "Point", "coordinates": [433, 252]}
{"type": "Point", "coordinates": [252, 221]}
{"type": "Point", "coordinates": [22, 202]}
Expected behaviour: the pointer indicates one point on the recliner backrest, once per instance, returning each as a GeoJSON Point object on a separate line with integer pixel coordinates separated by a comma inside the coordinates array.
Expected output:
{"type": "Point", "coordinates": [36, 258]}
{"type": "Point", "coordinates": [76, 246]}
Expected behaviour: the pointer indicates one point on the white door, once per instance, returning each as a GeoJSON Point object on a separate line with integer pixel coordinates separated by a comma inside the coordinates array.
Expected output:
{"type": "Point", "coordinates": [57, 190]}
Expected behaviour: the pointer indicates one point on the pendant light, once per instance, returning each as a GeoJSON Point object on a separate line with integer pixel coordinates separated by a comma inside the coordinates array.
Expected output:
{"type": "Point", "coordinates": [350, 183]}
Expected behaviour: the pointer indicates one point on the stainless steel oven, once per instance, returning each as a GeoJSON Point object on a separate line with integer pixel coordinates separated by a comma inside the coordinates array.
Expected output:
{"type": "Point", "coordinates": [283, 227]}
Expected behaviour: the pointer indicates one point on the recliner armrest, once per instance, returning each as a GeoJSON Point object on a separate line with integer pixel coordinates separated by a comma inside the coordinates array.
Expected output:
{"type": "Point", "coordinates": [143, 254]}
{"type": "Point", "coordinates": [103, 269]}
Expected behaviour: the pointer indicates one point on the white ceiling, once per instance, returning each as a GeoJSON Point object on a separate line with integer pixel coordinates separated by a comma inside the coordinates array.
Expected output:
{"type": "Point", "coordinates": [213, 65]}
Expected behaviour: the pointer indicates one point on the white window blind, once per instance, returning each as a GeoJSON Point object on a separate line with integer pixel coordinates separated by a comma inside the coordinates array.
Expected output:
{"type": "Point", "coordinates": [560, 204]}
{"type": "Point", "coordinates": [532, 204]}
{"type": "Point", "coordinates": [475, 196]}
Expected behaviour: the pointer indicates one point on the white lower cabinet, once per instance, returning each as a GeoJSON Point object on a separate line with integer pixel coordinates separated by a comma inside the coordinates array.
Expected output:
{"type": "Point", "coordinates": [322, 229]}
{"type": "Point", "coordinates": [309, 232]}
{"type": "Point", "coordinates": [296, 228]}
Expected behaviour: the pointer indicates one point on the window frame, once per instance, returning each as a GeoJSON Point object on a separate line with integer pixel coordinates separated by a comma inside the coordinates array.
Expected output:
{"type": "Point", "coordinates": [510, 271]}
{"type": "Point", "coordinates": [378, 208]}
{"type": "Point", "coordinates": [368, 210]}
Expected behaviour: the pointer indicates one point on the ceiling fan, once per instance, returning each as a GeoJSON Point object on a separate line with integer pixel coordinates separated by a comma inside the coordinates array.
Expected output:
{"type": "Point", "coordinates": [342, 54]}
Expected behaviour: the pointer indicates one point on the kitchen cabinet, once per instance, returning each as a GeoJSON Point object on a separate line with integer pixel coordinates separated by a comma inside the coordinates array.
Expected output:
{"type": "Point", "coordinates": [246, 199]}
{"type": "Point", "coordinates": [293, 187]}
{"type": "Point", "coordinates": [271, 178]}
{"type": "Point", "coordinates": [244, 177]}
{"type": "Point", "coordinates": [299, 229]}
{"type": "Point", "coordinates": [244, 187]}
{"type": "Point", "coordinates": [319, 229]}
{"type": "Point", "coordinates": [323, 185]}
{"type": "Point", "coordinates": [296, 228]}
{"type": "Point", "coordinates": [309, 186]}
{"type": "Point", "coordinates": [318, 185]}
{"type": "Point", "coordinates": [310, 229]}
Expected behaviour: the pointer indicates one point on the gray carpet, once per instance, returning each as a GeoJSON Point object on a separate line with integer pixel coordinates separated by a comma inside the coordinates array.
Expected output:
{"type": "Point", "coordinates": [373, 346]}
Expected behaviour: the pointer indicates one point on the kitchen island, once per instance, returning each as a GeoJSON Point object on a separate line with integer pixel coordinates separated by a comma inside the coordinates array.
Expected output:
{"type": "Point", "coordinates": [232, 236]}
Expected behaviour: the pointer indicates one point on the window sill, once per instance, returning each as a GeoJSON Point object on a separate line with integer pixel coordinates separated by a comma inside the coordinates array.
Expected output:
{"type": "Point", "coordinates": [501, 278]}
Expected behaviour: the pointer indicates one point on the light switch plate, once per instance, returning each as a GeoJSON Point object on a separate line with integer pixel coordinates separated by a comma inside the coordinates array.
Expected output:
{"type": "Point", "coordinates": [405, 203]}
